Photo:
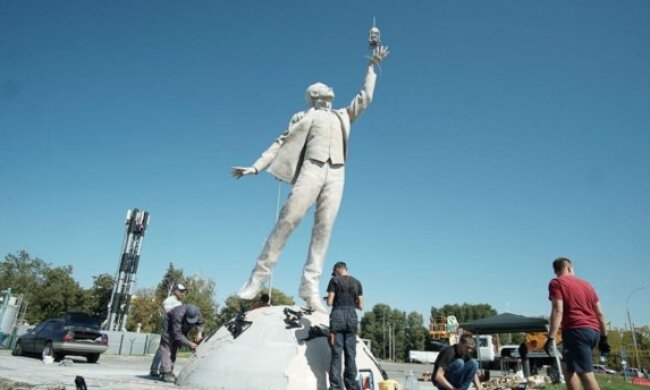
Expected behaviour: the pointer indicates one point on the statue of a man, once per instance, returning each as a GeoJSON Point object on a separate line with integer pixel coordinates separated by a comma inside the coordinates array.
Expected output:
{"type": "Point", "coordinates": [311, 156]}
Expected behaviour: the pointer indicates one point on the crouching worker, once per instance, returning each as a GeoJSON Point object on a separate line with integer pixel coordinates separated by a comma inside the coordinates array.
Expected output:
{"type": "Point", "coordinates": [178, 323]}
{"type": "Point", "coordinates": [455, 368]}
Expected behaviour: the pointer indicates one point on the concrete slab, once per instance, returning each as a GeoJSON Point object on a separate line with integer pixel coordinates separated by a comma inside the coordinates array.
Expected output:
{"type": "Point", "coordinates": [125, 372]}
{"type": "Point", "coordinates": [111, 372]}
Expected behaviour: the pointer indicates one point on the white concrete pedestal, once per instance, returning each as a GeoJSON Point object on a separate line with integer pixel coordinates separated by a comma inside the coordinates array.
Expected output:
{"type": "Point", "coordinates": [269, 356]}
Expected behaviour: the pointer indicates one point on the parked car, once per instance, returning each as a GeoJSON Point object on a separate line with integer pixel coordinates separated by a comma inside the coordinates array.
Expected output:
{"type": "Point", "coordinates": [75, 334]}
{"type": "Point", "coordinates": [603, 369]}
{"type": "Point", "coordinates": [632, 372]}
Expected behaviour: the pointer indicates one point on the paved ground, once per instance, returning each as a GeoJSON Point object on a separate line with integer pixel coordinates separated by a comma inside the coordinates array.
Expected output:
{"type": "Point", "coordinates": [111, 372]}
{"type": "Point", "coordinates": [398, 371]}
{"type": "Point", "coordinates": [123, 372]}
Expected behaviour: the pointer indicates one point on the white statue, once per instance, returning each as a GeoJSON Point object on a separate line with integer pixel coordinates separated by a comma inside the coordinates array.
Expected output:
{"type": "Point", "coordinates": [311, 156]}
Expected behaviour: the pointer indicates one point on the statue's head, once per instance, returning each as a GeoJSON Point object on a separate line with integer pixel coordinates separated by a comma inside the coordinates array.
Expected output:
{"type": "Point", "coordinates": [319, 95]}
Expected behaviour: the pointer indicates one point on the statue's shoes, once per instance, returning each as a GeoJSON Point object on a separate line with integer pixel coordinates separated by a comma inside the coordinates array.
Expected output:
{"type": "Point", "coordinates": [250, 289]}
{"type": "Point", "coordinates": [315, 303]}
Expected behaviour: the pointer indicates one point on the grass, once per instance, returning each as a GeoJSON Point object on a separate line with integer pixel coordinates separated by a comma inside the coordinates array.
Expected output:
{"type": "Point", "coordinates": [606, 382]}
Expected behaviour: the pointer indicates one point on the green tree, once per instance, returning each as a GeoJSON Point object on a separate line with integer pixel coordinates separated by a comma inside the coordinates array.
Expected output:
{"type": "Point", "coordinates": [48, 292]}
{"type": "Point", "coordinates": [642, 334]}
{"type": "Point", "coordinates": [615, 339]}
{"type": "Point", "coordinates": [463, 313]}
{"type": "Point", "coordinates": [398, 327]}
{"type": "Point", "coordinates": [621, 339]}
{"type": "Point", "coordinates": [235, 305]}
{"type": "Point", "coordinates": [517, 338]}
{"type": "Point", "coordinates": [146, 306]}
{"type": "Point", "coordinates": [279, 298]}
{"type": "Point", "coordinates": [57, 294]}
{"type": "Point", "coordinates": [21, 272]}
{"type": "Point", "coordinates": [373, 328]}
{"type": "Point", "coordinates": [643, 344]}
{"type": "Point", "coordinates": [386, 329]}
{"type": "Point", "coordinates": [146, 311]}
{"type": "Point", "coordinates": [201, 292]}
{"type": "Point", "coordinates": [172, 276]}
{"type": "Point", "coordinates": [24, 275]}
{"type": "Point", "coordinates": [416, 333]}
{"type": "Point", "coordinates": [99, 295]}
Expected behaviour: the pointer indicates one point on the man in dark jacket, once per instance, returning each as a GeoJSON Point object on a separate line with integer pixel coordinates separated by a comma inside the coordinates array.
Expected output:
{"type": "Point", "coordinates": [345, 294]}
{"type": "Point", "coordinates": [178, 323]}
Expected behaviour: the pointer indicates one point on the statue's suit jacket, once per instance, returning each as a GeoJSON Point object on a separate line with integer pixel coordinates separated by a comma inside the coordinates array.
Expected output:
{"type": "Point", "coordinates": [285, 156]}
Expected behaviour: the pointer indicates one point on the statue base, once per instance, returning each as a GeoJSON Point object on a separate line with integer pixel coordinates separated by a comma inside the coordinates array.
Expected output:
{"type": "Point", "coordinates": [274, 348]}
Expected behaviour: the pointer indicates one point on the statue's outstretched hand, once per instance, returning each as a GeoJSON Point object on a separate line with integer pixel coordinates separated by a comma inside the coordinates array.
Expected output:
{"type": "Point", "coordinates": [379, 54]}
{"type": "Point", "coordinates": [238, 172]}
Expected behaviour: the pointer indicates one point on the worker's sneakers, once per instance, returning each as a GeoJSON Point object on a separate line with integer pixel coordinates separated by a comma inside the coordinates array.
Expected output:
{"type": "Point", "coordinates": [154, 373]}
{"type": "Point", "coordinates": [168, 377]}
{"type": "Point", "coordinates": [251, 288]}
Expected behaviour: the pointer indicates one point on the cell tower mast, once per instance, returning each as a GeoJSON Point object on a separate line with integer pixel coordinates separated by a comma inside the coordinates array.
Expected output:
{"type": "Point", "coordinates": [118, 307]}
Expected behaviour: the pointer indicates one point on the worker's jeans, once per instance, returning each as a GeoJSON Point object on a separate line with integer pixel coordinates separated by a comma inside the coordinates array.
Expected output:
{"type": "Point", "coordinates": [345, 342]}
{"type": "Point", "coordinates": [460, 373]}
{"type": "Point", "coordinates": [155, 363]}
{"type": "Point", "coordinates": [317, 182]}
{"type": "Point", "coordinates": [168, 356]}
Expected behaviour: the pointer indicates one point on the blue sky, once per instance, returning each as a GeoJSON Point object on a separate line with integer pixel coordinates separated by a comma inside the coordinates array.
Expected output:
{"type": "Point", "coordinates": [503, 134]}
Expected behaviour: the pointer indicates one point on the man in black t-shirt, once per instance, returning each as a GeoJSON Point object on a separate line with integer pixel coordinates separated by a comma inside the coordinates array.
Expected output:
{"type": "Point", "coordinates": [344, 294]}
{"type": "Point", "coordinates": [455, 368]}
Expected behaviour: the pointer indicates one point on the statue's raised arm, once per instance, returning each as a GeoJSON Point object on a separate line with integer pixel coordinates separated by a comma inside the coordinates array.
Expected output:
{"type": "Point", "coordinates": [363, 98]}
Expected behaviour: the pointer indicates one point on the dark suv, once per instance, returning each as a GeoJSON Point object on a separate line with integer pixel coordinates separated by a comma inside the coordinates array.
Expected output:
{"type": "Point", "coordinates": [74, 334]}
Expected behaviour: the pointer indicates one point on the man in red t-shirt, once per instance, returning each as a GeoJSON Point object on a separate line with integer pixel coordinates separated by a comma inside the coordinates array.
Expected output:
{"type": "Point", "coordinates": [576, 307]}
